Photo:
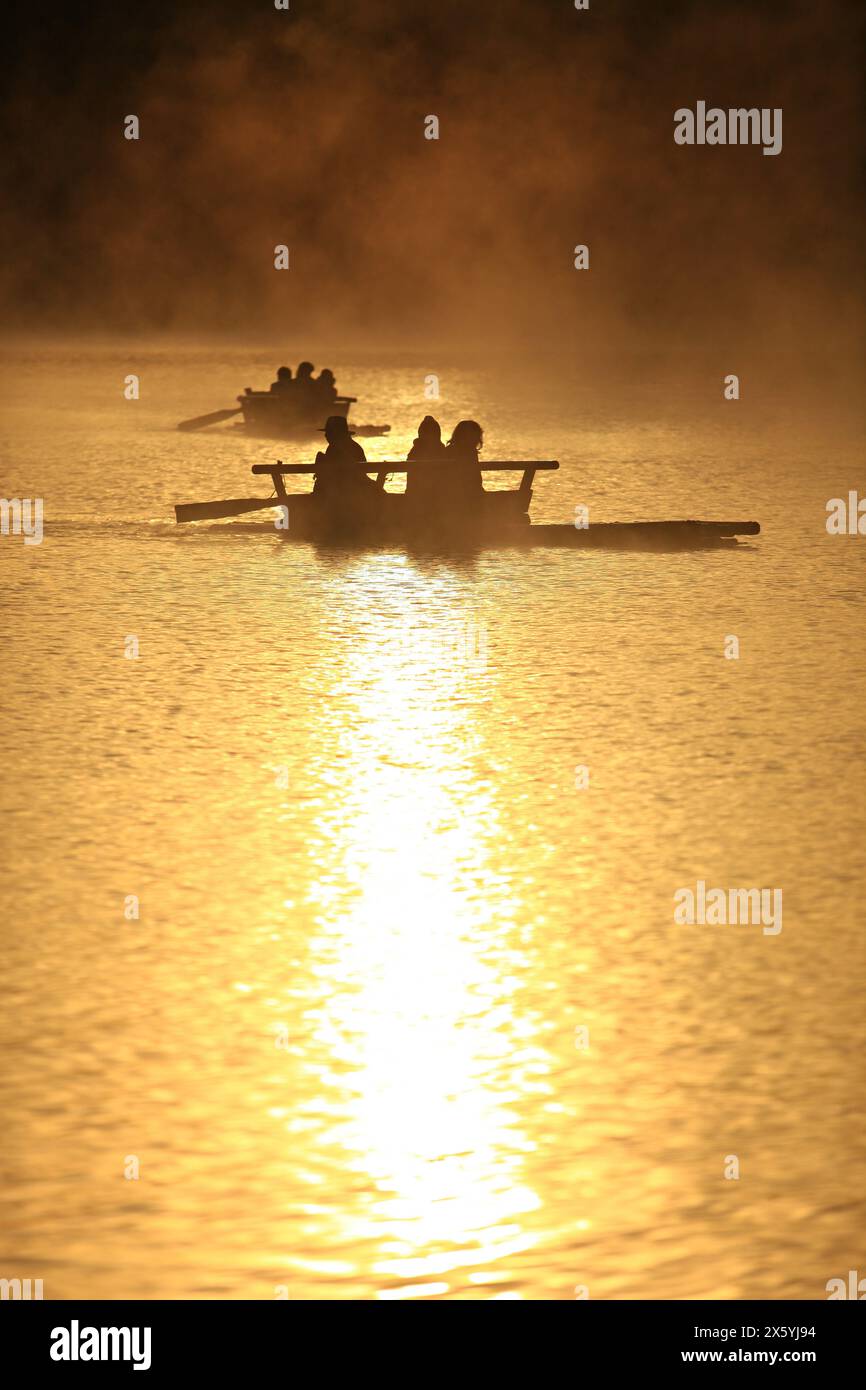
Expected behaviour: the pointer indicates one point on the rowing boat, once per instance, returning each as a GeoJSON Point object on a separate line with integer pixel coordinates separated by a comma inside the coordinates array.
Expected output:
{"type": "Point", "coordinates": [282, 415]}
{"type": "Point", "coordinates": [501, 521]}
{"type": "Point", "coordinates": [277, 414]}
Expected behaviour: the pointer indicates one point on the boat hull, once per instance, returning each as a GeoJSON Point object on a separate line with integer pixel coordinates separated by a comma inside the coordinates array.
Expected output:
{"type": "Point", "coordinates": [276, 415]}
{"type": "Point", "coordinates": [501, 523]}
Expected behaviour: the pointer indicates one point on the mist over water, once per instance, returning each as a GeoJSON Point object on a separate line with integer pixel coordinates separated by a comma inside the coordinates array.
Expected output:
{"type": "Point", "coordinates": [303, 128]}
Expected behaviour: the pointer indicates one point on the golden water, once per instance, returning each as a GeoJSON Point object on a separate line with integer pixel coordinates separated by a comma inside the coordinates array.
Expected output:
{"type": "Point", "coordinates": [375, 906]}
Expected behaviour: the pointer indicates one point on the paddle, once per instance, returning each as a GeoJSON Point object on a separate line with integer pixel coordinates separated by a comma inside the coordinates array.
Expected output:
{"type": "Point", "coordinates": [214, 418]}
{"type": "Point", "coordinates": [212, 511]}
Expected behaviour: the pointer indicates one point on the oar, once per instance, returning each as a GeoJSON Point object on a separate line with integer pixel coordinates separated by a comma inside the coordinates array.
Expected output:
{"type": "Point", "coordinates": [214, 418]}
{"type": "Point", "coordinates": [212, 511]}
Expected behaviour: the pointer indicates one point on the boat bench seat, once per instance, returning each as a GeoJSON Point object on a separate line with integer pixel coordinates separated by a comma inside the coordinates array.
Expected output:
{"type": "Point", "coordinates": [521, 495]}
{"type": "Point", "coordinates": [528, 467]}
{"type": "Point", "coordinates": [494, 466]}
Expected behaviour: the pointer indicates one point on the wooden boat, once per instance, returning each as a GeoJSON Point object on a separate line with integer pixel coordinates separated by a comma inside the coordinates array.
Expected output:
{"type": "Point", "coordinates": [282, 415]}
{"type": "Point", "coordinates": [501, 521]}
{"type": "Point", "coordinates": [278, 414]}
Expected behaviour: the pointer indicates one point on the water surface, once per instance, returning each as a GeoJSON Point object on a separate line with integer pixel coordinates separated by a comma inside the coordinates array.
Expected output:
{"type": "Point", "coordinates": [376, 906]}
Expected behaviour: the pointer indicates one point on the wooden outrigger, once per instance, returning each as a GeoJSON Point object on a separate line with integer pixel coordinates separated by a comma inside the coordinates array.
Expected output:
{"type": "Point", "coordinates": [282, 415]}
{"type": "Point", "coordinates": [502, 519]}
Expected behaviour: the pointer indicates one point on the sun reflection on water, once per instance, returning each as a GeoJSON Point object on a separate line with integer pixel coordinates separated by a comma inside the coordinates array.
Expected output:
{"type": "Point", "coordinates": [418, 951]}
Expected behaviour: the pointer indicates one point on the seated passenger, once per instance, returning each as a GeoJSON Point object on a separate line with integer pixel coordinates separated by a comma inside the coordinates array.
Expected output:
{"type": "Point", "coordinates": [460, 478]}
{"type": "Point", "coordinates": [325, 388]}
{"type": "Point", "coordinates": [427, 447]}
{"type": "Point", "coordinates": [305, 388]}
{"type": "Point", "coordinates": [341, 472]}
{"type": "Point", "coordinates": [284, 380]}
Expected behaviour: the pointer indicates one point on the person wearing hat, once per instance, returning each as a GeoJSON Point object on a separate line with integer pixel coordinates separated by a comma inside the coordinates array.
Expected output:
{"type": "Point", "coordinates": [341, 470]}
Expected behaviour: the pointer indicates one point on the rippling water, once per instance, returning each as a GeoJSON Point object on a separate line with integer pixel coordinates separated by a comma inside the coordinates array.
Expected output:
{"type": "Point", "coordinates": [343, 1039]}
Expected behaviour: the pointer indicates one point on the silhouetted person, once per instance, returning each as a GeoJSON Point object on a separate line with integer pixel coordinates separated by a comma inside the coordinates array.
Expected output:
{"type": "Point", "coordinates": [326, 390]}
{"type": "Point", "coordinates": [460, 474]}
{"type": "Point", "coordinates": [427, 447]}
{"type": "Point", "coordinates": [341, 475]}
{"type": "Point", "coordinates": [284, 380]}
{"type": "Point", "coordinates": [305, 388]}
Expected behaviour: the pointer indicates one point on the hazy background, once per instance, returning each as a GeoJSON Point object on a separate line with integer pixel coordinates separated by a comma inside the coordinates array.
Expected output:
{"type": "Point", "coordinates": [261, 127]}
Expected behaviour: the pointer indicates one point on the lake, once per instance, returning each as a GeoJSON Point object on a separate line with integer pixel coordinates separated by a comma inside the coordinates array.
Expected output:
{"type": "Point", "coordinates": [339, 942]}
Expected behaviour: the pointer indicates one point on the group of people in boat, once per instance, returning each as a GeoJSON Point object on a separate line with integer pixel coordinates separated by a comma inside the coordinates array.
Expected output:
{"type": "Point", "coordinates": [342, 468]}
{"type": "Point", "coordinates": [310, 393]}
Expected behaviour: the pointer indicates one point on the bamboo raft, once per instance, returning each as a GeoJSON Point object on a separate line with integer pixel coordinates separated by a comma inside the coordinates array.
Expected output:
{"type": "Point", "coordinates": [501, 521]}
